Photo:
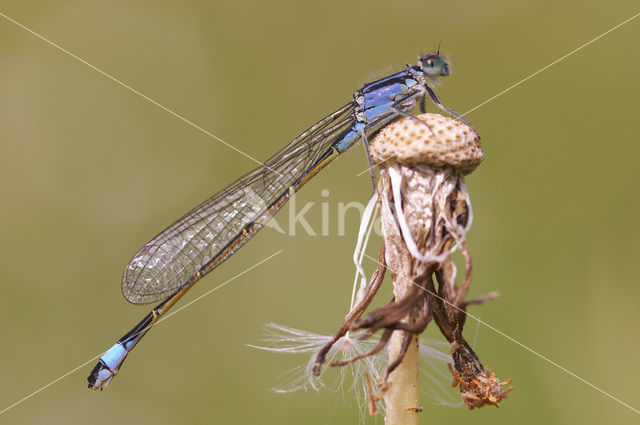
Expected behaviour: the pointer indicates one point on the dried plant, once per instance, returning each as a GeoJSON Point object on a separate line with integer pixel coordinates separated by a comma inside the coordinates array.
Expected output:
{"type": "Point", "coordinates": [426, 213]}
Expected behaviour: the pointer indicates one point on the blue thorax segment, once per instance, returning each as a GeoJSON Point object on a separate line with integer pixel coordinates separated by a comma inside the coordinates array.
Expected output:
{"type": "Point", "coordinates": [377, 98]}
{"type": "Point", "coordinates": [374, 102]}
{"type": "Point", "coordinates": [375, 86]}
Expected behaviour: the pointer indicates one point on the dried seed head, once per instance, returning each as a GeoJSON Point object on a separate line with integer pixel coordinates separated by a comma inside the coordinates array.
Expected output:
{"type": "Point", "coordinates": [480, 389]}
{"type": "Point", "coordinates": [439, 141]}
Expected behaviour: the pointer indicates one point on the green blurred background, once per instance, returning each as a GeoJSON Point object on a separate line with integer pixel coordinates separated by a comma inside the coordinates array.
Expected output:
{"type": "Point", "coordinates": [89, 172]}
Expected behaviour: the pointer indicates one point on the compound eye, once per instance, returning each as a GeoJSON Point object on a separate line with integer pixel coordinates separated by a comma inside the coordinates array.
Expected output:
{"type": "Point", "coordinates": [434, 66]}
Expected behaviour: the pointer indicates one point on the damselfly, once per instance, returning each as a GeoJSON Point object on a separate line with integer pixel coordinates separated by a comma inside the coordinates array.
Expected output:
{"type": "Point", "coordinates": [172, 262]}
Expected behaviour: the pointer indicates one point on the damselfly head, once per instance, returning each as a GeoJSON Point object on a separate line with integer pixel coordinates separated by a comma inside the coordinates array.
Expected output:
{"type": "Point", "coordinates": [434, 66]}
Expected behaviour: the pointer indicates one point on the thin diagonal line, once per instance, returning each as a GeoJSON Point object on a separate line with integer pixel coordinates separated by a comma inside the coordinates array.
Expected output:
{"type": "Point", "coordinates": [49, 384]}
{"type": "Point", "coordinates": [531, 350]}
{"type": "Point", "coordinates": [219, 286]}
{"type": "Point", "coordinates": [551, 64]}
{"type": "Point", "coordinates": [534, 74]}
{"type": "Point", "coordinates": [475, 337]}
{"type": "Point", "coordinates": [374, 165]}
{"type": "Point", "coordinates": [165, 317]}
{"type": "Point", "coordinates": [114, 79]}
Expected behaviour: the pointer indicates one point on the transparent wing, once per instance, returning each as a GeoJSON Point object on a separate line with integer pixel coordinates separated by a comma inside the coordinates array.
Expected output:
{"type": "Point", "coordinates": [212, 231]}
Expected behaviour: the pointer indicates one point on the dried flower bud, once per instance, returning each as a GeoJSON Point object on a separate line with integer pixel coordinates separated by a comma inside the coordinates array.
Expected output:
{"type": "Point", "coordinates": [443, 141]}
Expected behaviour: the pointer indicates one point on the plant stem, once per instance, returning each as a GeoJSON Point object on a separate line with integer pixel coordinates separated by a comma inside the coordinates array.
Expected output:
{"type": "Point", "coordinates": [402, 398]}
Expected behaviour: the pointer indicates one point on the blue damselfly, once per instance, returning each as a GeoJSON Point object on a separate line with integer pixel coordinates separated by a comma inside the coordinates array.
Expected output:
{"type": "Point", "coordinates": [172, 262]}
